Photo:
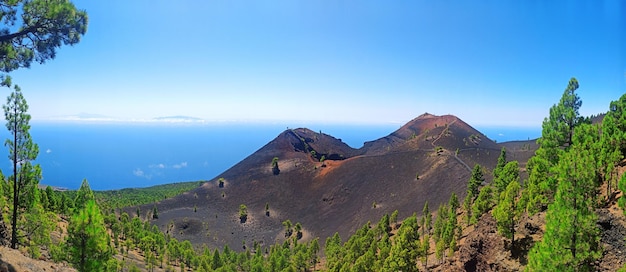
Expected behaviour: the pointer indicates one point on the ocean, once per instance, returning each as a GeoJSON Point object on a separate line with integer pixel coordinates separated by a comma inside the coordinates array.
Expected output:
{"type": "Point", "coordinates": [115, 155]}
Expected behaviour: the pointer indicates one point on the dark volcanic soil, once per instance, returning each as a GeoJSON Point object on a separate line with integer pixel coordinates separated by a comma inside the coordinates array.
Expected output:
{"type": "Point", "coordinates": [426, 160]}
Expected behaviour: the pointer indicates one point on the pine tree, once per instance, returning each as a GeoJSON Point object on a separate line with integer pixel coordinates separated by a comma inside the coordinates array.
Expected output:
{"type": "Point", "coordinates": [383, 225]}
{"type": "Point", "coordinates": [622, 187]}
{"type": "Point", "coordinates": [440, 222]}
{"type": "Point", "coordinates": [558, 127]}
{"type": "Point", "coordinates": [288, 228]}
{"type": "Point", "coordinates": [22, 150]}
{"type": "Point", "coordinates": [83, 195]}
{"type": "Point", "coordinates": [476, 180]}
{"type": "Point", "coordinates": [394, 217]}
{"type": "Point", "coordinates": [34, 30]}
{"type": "Point", "coordinates": [535, 195]}
{"type": "Point", "coordinates": [424, 250]}
{"type": "Point", "coordinates": [36, 225]}
{"type": "Point", "coordinates": [87, 240]}
{"type": "Point", "coordinates": [155, 212]}
{"type": "Point", "coordinates": [450, 229]}
{"type": "Point", "coordinates": [467, 206]}
{"type": "Point", "coordinates": [508, 173]}
{"type": "Point", "coordinates": [483, 203]}
{"type": "Point", "coordinates": [556, 138]}
{"type": "Point", "coordinates": [333, 252]}
{"type": "Point", "coordinates": [572, 238]}
{"type": "Point", "coordinates": [507, 212]}
{"type": "Point", "coordinates": [500, 165]}
{"type": "Point", "coordinates": [427, 217]}
{"type": "Point", "coordinates": [405, 248]}
{"type": "Point", "coordinates": [613, 140]}
{"type": "Point", "coordinates": [453, 202]}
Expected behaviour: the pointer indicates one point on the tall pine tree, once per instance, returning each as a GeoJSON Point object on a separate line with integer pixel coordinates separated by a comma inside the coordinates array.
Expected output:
{"type": "Point", "coordinates": [556, 138]}
{"type": "Point", "coordinates": [405, 249]}
{"type": "Point", "coordinates": [507, 212]}
{"type": "Point", "coordinates": [22, 150]}
{"type": "Point", "coordinates": [87, 239]}
{"type": "Point", "coordinates": [571, 239]}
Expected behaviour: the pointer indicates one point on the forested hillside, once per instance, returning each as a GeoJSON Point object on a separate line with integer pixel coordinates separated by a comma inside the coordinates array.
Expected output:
{"type": "Point", "coordinates": [555, 219]}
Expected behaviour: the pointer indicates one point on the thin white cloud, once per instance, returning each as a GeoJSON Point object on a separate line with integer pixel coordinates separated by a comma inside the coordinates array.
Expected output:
{"type": "Point", "coordinates": [180, 165]}
{"type": "Point", "coordinates": [140, 173]}
{"type": "Point", "coordinates": [160, 166]}
{"type": "Point", "coordinates": [48, 151]}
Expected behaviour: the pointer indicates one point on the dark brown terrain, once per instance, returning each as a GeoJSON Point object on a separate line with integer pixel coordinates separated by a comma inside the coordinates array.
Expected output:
{"type": "Point", "coordinates": [427, 159]}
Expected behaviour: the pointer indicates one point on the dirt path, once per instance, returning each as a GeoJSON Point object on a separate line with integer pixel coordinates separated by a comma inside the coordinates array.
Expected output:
{"type": "Point", "coordinates": [442, 132]}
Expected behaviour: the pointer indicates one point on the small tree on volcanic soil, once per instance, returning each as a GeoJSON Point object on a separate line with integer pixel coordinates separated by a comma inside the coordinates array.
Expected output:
{"type": "Point", "coordinates": [220, 182]}
{"type": "Point", "coordinates": [87, 240]}
{"type": "Point", "coordinates": [243, 213]}
{"type": "Point", "coordinates": [323, 161]}
{"type": "Point", "coordinates": [155, 212]}
{"type": "Point", "coordinates": [427, 219]}
{"type": "Point", "coordinates": [622, 186]}
{"type": "Point", "coordinates": [267, 209]}
{"type": "Point", "coordinates": [507, 212]}
{"type": "Point", "coordinates": [394, 217]}
{"type": "Point", "coordinates": [275, 169]}
{"type": "Point", "coordinates": [288, 229]}
{"type": "Point", "coordinates": [298, 229]}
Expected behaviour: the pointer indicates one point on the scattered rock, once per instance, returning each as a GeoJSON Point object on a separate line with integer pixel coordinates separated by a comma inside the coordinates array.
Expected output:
{"type": "Point", "coordinates": [482, 250]}
{"type": "Point", "coordinates": [612, 240]}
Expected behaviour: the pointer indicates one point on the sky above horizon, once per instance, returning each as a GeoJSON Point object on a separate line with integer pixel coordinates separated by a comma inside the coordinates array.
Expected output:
{"type": "Point", "coordinates": [494, 63]}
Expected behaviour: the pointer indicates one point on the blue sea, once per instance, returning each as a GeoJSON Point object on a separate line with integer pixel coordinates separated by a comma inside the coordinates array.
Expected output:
{"type": "Point", "coordinates": [115, 155]}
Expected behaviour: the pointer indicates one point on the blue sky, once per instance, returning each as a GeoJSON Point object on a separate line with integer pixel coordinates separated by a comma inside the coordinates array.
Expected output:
{"type": "Point", "coordinates": [499, 63]}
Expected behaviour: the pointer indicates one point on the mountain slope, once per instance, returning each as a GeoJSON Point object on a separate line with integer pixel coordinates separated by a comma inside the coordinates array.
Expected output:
{"type": "Point", "coordinates": [428, 159]}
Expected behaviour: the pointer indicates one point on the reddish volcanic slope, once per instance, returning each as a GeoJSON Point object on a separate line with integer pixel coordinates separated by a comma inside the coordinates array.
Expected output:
{"type": "Point", "coordinates": [350, 188]}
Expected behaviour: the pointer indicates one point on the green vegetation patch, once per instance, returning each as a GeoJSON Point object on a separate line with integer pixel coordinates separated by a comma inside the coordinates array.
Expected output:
{"type": "Point", "coordinates": [138, 196]}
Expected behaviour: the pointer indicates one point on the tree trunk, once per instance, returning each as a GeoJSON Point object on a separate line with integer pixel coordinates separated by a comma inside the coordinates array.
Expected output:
{"type": "Point", "coordinates": [15, 190]}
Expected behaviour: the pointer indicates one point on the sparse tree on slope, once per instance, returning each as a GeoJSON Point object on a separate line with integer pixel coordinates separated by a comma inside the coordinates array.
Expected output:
{"type": "Point", "coordinates": [424, 250]}
{"type": "Point", "coordinates": [483, 203]}
{"type": "Point", "coordinates": [507, 212]}
{"type": "Point", "coordinates": [36, 224]}
{"type": "Point", "coordinates": [453, 202]}
{"type": "Point", "coordinates": [475, 181]}
{"type": "Point", "coordinates": [405, 248]}
{"type": "Point", "coordinates": [613, 139]}
{"type": "Point", "coordinates": [333, 252]}
{"type": "Point", "coordinates": [288, 228]}
{"type": "Point", "coordinates": [622, 187]}
{"type": "Point", "coordinates": [83, 195]}
{"type": "Point", "coordinates": [155, 212]}
{"type": "Point", "coordinates": [473, 184]}
{"type": "Point", "coordinates": [243, 213]}
{"type": "Point", "coordinates": [87, 239]}
{"type": "Point", "coordinates": [22, 150]}
{"type": "Point", "coordinates": [558, 128]}
{"type": "Point", "coordinates": [571, 240]}
{"type": "Point", "coordinates": [394, 217]}
{"type": "Point", "coordinates": [500, 165]}
{"type": "Point", "coordinates": [537, 187]}
{"type": "Point", "coordinates": [508, 173]}
{"type": "Point", "coordinates": [617, 132]}
{"type": "Point", "coordinates": [556, 138]}
{"type": "Point", "coordinates": [427, 219]}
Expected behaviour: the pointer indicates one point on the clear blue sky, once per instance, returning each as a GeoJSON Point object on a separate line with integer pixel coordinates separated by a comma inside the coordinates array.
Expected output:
{"type": "Point", "coordinates": [490, 63]}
